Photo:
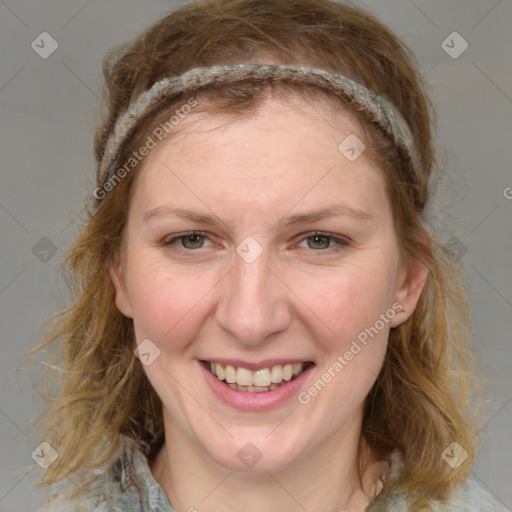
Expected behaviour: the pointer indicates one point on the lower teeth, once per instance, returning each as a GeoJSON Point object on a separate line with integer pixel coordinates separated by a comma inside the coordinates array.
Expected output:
{"type": "Point", "coordinates": [252, 389]}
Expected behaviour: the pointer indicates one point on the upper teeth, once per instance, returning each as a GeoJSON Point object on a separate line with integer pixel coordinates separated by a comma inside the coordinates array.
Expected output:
{"type": "Point", "coordinates": [263, 377]}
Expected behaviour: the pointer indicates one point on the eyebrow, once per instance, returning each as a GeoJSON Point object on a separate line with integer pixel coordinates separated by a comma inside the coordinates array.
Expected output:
{"type": "Point", "coordinates": [335, 210]}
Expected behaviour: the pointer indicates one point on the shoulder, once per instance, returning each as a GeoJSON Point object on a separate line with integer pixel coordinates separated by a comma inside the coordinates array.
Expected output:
{"type": "Point", "coordinates": [116, 489]}
{"type": "Point", "coordinates": [102, 498]}
{"type": "Point", "coordinates": [474, 497]}
{"type": "Point", "coordinates": [65, 505]}
{"type": "Point", "coordinates": [470, 497]}
{"type": "Point", "coordinates": [126, 485]}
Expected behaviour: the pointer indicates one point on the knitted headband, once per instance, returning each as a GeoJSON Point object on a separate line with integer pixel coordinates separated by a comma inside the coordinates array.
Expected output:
{"type": "Point", "coordinates": [378, 109]}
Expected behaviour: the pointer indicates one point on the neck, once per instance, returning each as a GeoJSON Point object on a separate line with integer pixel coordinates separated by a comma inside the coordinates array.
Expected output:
{"type": "Point", "coordinates": [325, 478]}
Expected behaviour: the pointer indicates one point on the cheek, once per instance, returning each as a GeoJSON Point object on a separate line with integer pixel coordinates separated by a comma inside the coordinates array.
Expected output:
{"type": "Point", "coordinates": [355, 305]}
{"type": "Point", "coordinates": [350, 299]}
{"type": "Point", "coordinates": [165, 303]}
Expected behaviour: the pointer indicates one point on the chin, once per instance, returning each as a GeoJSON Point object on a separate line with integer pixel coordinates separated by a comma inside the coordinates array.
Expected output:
{"type": "Point", "coordinates": [241, 453]}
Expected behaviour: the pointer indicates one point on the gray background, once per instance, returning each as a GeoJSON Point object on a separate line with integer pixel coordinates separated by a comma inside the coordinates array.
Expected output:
{"type": "Point", "coordinates": [49, 108]}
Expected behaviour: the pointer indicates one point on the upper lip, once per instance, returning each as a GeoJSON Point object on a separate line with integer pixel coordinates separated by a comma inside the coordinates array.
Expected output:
{"type": "Point", "coordinates": [252, 365]}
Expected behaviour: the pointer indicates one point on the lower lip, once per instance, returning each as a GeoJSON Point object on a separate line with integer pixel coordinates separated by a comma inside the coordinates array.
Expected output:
{"type": "Point", "coordinates": [253, 401]}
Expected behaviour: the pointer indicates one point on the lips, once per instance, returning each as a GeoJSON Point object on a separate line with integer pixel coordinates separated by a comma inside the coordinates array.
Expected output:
{"type": "Point", "coordinates": [257, 380]}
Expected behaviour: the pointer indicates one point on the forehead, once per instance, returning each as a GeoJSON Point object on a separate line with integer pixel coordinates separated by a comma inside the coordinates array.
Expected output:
{"type": "Point", "coordinates": [289, 151]}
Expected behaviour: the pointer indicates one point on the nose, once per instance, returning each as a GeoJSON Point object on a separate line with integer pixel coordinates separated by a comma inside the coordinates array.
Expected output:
{"type": "Point", "coordinates": [254, 303]}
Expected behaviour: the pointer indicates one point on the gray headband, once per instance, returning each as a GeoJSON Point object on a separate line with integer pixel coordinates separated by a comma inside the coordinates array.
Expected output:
{"type": "Point", "coordinates": [378, 109]}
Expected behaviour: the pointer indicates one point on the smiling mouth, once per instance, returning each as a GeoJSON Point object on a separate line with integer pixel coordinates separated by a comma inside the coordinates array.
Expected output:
{"type": "Point", "coordinates": [263, 379]}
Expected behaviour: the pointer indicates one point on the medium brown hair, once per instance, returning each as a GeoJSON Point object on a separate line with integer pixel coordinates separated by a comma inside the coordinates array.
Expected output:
{"type": "Point", "coordinates": [418, 405]}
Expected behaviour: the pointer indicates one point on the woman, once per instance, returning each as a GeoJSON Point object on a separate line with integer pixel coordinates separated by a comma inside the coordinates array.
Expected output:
{"type": "Point", "coordinates": [262, 320]}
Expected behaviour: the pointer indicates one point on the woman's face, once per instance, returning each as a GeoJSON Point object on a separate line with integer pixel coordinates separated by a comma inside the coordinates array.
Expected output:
{"type": "Point", "coordinates": [260, 248]}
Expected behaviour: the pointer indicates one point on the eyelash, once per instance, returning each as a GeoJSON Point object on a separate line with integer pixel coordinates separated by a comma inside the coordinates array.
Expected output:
{"type": "Point", "coordinates": [341, 242]}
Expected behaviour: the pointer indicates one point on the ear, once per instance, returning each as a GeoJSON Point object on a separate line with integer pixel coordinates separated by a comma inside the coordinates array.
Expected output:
{"type": "Point", "coordinates": [411, 281]}
{"type": "Point", "coordinates": [118, 276]}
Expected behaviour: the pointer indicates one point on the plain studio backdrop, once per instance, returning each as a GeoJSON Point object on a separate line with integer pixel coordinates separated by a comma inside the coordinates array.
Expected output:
{"type": "Point", "coordinates": [50, 82]}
